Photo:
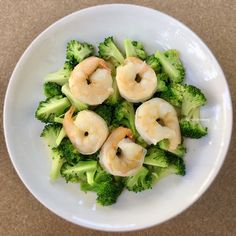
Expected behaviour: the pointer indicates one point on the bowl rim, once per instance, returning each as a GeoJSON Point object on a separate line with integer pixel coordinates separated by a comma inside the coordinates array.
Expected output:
{"type": "Point", "coordinates": [92, 226]}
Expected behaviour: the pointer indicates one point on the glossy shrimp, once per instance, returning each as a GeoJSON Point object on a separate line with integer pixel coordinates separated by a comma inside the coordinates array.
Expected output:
{"type": "Point", "coordinates": [119, 155]}
{"type": "Point", "coordinates": [91, 81]}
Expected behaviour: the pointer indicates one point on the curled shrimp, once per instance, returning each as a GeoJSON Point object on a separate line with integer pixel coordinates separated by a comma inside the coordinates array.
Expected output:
{"type": "Point", "coordinates": [136, 80]}
{"type": "Point", "coordinates": [91, 81]}
{"type": "Point", "coordinates": [119, 155]}
{"type": "Point", "coordinates": [87, 132]}
{"type": "Point", "coordinates": [155, 120]}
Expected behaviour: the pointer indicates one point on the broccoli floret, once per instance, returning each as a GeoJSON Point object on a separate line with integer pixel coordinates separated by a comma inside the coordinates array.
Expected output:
{"type": "Point", "coordinates": [106, 187]}
{"type": "Point", "coordinates": [60, 136]}
{"type": "Point", "coordinates": [105, 111]}
{"type": "Point", "coordinates": [179, 151]}
{"type": "Point", "coordinates": [190, 124]}
{"type": "Point", "coordinates": [154, 63]}
{"type": "Point", "coordinates": [83, 170]}
{"type": "Point", "coordinates": [61, 76]}
{"type": "Point", "coordinates": [156, 157]}
{"type": "Point", "coordinates": [69, 152]}
{"type": "Point", "coordinates": [108, 192]}
{"type": "Point", "coordinates": [114, 98]}
{"type": "Point", "coordinates": [176, 165]}
{"type": "Point", "coordinates": [51, 89]}
{"type": "Point", "coordinates": [191, 127]}
{"type": "Point", "coordinates": [75, 102]}
{"type": "Point", "coordinates": [58, 120]}
{"type": "Point", "coordinates": [110, 52]}
{"type": "Point", "coordinates": [171, 65]}
{"type": "Point", "coordinates": [50, 134]}
{"type": "Point", "coordinates": [50, 108]}
{"type": "Point", "coordinates": [141, 181]}
{"type": "Point", "coordinates": [134, 49]}
{"type": "Point", "coordinates": [57, 162]}
{"type": "Point", "coordinates": [124, 115]}
{"type": "Point", "coordinates": [173, 94]}
{"type": "Point", "coordinates": [162, 82]}
{"type": "Point", "coordinates": [77, 52]}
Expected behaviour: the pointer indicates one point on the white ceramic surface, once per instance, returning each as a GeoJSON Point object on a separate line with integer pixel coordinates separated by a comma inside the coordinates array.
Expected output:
{"type": "Point", "coordinates": [47, 53]}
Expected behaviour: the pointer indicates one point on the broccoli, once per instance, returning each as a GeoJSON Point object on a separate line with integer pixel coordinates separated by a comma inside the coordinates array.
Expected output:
{"type": "Point", "coordinates": [114, 98]}
{"type": "Point", "coordinates": [82, 171]}
{"type": "Point", "coordinates": [156, 157]}
{"type": "Point", "coordinates": [75, 102]}
{"type": "Point", "coordinates": [134, 49]}
{"type": "Point", "coordinates": [50, 108]}
{"type": "Point", "coordinates": [60, 136]}
{"type": "Point", "coordinates": [190, 124]}
{"type": "Point", "coordinates": [105, 111]}
{"type": "Point", "coordinates": [69, 152]}
{"type": "Point", "coordinates": [162, 81]}
{"type": "Point", "coordinates": [171, 65]}
{"type": "Point", "coordinates": [57, 162]}
{"type": "Point", "coordinates": [173, 94]}
{"type": "Point", "coordinates": [106, 187]}
{"type": "Point", "coordinates": [179, 151]}
{"type": "Point", "coordinates": [110, 52]}
{"type": "Point", "coordinates": [50, 134]}
{"type": "Point", "coordinates": [141, 181]}
{"type": "Point", "coordinates": [77, 52]}
{"type": "Point", "coordinates": [58, 120]}
{"type": "Point", "coordinates": [61, 76]}
{"type": "Point", "coordinates": [51, 89]}
{"type": "Point", "coordinates": [124, 115]}
{"type": "Point", "coordinates": [154, 63]}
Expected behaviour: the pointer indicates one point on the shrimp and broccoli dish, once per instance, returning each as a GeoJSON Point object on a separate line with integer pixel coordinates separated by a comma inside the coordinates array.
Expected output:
{"type": "Point", "coordinates": [116, 121]}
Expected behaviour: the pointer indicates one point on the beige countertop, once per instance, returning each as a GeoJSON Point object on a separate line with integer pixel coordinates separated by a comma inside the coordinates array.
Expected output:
{"type": "Point", "coordinates": [21, 21]}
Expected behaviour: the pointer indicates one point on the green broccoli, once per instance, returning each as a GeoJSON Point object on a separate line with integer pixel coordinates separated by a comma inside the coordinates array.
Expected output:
{"type": "Point", "coordinates": [179, 151]}
{"type": "Point", "coordinates": [171, 65]}
{"type": "Point", "coordinates": [75, 102]}
{"type": "Point", "coordinates": [77, 52]}
{"type": "Point", "coordinates": [154, 63]}
{"type": "Point", "coordinates": [106, 187]}
{"type": "Point", "coordinates": [69, 152]}
{"type": "Point", "coordinates": [58, 120]}
{"type": "Point", "coordinates": [51, 107]}
{"type": "Point", "coordinates": [57, 162]}
{"type": "Point", "coordinates": [51, 89]}
{"type": "Point", "coordinates": [156, 157]}
{"type": "Point", "coordinates": [114, 98]}
{"type": "Point", "coordinates": [61, 76]}
{"type": "Point", "coordinates": [162, 82]}
{"type": "Point", "coordinates": [173, 94]}
{"type": "Point", "coordinates": [134, 49]}
{"type": "Point", "coordinates": [105, 111]}
{"type": "Point", "coordinates": [140, 181]}
{"type": "Point", "coordinates": [60, 136]}
{"type": "Point", "coordinates": [124, 115]}
{"type": "Point", "coordinates": [110, 52]}
{"type": "Point", "coordinates": [82, 171]}
{"type": "Point", "coordinates": [190, 124]}
{"type": "Point", "coordinates": [50, 134]}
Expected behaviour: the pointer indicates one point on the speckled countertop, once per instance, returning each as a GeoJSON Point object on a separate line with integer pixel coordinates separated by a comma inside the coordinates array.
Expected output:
{"type": "Point", "coordinates": [21, 21]}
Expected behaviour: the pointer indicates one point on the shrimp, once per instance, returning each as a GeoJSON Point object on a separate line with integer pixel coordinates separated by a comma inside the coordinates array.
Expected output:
{"type": "Point", "coordinates": [136, 80]}
{"type": "Point", "coordinates": [119, 155]}
{"type": "Point", "coordinates": [87, 132]}
{"type": "Point", "coordinates": [155, 120]}
{"type": "Point", "coordinates": [91, 81]}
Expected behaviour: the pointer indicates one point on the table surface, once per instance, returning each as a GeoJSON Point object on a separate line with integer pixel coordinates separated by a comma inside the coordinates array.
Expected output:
{"type": "Point", "coordinates": [21, 21]}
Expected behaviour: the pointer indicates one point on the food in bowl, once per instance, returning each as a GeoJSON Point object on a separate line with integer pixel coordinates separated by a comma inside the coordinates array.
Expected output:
{"type": "Point", "coordinates": [117, 121]}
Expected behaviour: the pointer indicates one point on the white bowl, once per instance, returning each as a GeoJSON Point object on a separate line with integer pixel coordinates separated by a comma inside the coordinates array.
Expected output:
{"type": "Point", "coordinates": [29, 155]}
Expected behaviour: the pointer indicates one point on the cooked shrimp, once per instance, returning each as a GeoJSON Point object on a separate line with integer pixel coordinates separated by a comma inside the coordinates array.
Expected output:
{"type": "Point", "coordinates": [155, 120]}
{"type": "Point", "coordinates": [119, 155]}
{"type": "Point", "coordinates": [91, 81]}
{"type": "Point", "coordinates": [136, 80]}
{"type": "Point", "coordinates": [87, 132]}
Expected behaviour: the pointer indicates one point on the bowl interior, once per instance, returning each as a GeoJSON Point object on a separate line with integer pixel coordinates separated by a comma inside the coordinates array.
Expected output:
{"type": "Point", "coordinates": [30, 156]}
